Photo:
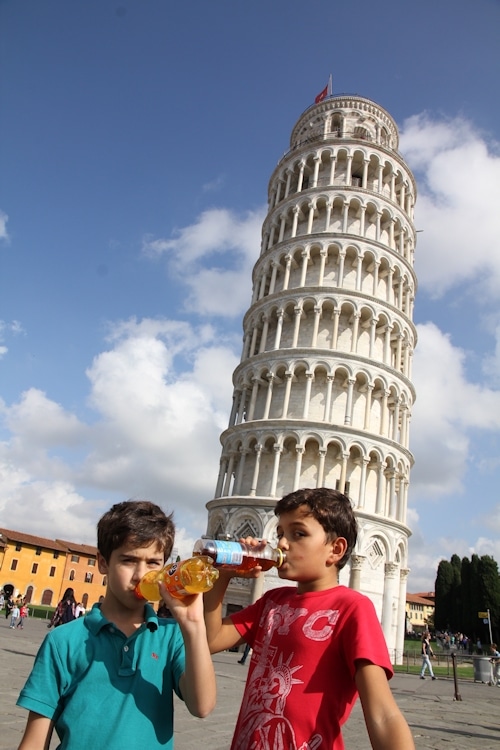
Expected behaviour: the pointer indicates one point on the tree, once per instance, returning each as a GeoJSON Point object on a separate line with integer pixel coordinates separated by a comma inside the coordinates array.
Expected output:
{"type": "Point", "coordinates": [474, 600]}
{"type": "Point", "coordinates": [456, 593]}
{"type": "Point", "coordinates": [489, 590]}
{"type": "Point", "coordinates": [468, 617]}
{"type": "Point", "coordinates": [463, 589]}
{"type": "Point", "coordinates": [442, 591]}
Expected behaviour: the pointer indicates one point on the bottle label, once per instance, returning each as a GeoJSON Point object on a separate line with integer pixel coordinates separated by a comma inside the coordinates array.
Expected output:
{"type": "Point", "coordinates": [228, 553]}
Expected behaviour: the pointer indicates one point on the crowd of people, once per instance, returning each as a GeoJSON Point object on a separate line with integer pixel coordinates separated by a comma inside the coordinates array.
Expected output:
{"type": "Point", "coordinates": [17, 610]}
{"type": "Point", "coordinates": [449, 640]}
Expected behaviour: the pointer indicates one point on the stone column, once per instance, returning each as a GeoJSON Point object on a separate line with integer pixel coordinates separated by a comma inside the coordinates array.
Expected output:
{"type": "Point", "coordinates": [305, 261]}
{"type": "Point", "coordinates": [277, 457]}
{"type": "Point", "coordinates": [328, 399]}
{"type": "Point", "coordinates": [348, 405]}
{"type": "Point", "coordinates": [298, 466]}
{"type": "Point", "coordinates": [362, 482]}
{"type": "Point", "coordinates": [321, 467]}
{"type": "Point", "coordinates": [335, 333]}
{"type": "Point", "coordinates": [286, 278]}
{"type": "Point", "coordinates": [307, 396]}
{"type": "Point", "coordinates": [286, 397]}
{"type": "Point", "coordinates": [401, 624]}
{"type": "Point", "coordinates": [279, 327]}
{"type": "Point", "coordinates": [241, 470]}
{"type": "Point", "coordinates": [323, 255]}
{"type": "Point", "coordinates": [255, 478]}
{"type": "Point", "coordinates": [317, 317]}
{"type": "Point", "coordinates": [296, 325]}
{"type": "Point", "coordinates": [389, 600]}
{"type": "Point", "coordinates": [355, 572]}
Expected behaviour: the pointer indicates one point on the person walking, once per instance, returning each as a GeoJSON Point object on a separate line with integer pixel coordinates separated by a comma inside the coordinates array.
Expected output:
{"type": "Point", "coordinates": [9, 603]}
{"type": "Point", "coordinates": [14, 614]}
{"type": "Point", "coordinates": [427, 652]}
{"type": "Point", "coordinates": [495, 665]}
{"type": "Point", "coordinates": [23, 614]}
{"type": "Point", "coordinates": [245, 654]}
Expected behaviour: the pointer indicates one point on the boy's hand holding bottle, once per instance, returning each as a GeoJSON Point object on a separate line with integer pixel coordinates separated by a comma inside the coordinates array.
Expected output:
{"type": "Point", "coordinates": [246, 558]}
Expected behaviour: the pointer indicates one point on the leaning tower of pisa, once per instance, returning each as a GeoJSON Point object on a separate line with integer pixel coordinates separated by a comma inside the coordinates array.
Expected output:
{"type": "Point", "coordinates": [323, 392]}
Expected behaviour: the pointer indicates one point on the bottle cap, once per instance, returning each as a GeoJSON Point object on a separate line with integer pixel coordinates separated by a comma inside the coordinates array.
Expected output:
{"type": "Point", "coordinates": [281, 557]}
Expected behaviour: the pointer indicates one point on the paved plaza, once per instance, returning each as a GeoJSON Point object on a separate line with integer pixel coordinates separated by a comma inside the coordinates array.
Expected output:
{"type": "Point", "coordinates": [437, 720]}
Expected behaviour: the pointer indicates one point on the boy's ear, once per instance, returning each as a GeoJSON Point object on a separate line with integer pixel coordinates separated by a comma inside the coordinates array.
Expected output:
{"type": "Point", "coordinates": [102, 564]}
{"type": "Point", "coordinates": [339, 548]}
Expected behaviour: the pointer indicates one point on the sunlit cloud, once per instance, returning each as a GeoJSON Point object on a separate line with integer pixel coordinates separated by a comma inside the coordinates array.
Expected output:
{"type": "Point", "coordinates": [213, 257]}
{"type": "Point", "coordinates": [4, 235]}
{"type": "Point", "coordinates": [458, 173]}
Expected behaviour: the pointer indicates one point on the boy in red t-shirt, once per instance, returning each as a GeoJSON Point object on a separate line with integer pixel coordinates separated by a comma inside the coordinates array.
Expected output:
{"type": "Point", "coordinates": [316, 646]}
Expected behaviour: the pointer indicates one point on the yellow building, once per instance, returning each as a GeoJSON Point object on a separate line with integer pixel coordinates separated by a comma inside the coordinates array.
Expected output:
{"type": "Point", "coordinates": [419, 611]}
{"type": "Point", "coordinates": [42, 569]}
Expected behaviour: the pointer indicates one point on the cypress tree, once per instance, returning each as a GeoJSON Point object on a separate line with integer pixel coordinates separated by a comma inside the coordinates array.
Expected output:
{"type": "Point", "coordinates": [442, 590]}
{"type": "Point", "coordinates": [489, 588]}
{"type": "Point", "coordinates": [456, 594]}
{"type": "Point", "coordinates": [467, 619]}
{"type": "Point", "coordinates": [475, 601]}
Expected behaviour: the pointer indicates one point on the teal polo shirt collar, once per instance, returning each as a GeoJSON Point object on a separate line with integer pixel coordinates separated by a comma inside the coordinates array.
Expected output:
{"type": "Point", "coordinates": [128, 651]}
{"type": "Point", "coordinates": [95, 620]}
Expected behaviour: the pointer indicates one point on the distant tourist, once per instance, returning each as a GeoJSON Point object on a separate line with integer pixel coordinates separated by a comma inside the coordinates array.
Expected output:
{"type": "Point", "coordinates": [14, 615]}
{"type": "Point", "coordinates": [427, 652]}
{"type": "Point", "coordinates": [65, 610]}
{"type": "Point", "coordinates": [23, 614]}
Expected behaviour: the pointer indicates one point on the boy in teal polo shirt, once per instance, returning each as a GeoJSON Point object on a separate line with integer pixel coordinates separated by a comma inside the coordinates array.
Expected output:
{"type": "Point", "coordinates": [107, 680]}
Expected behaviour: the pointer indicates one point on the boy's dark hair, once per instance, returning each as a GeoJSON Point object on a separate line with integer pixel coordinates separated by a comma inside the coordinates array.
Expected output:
{"type": "Point", "coordinates": [331, 508]}
{"type": "Point", "coordinates": [135, 522]}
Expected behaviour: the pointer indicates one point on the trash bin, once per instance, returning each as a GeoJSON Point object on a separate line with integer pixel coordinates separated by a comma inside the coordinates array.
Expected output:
{"type": "Point", "coordinates": [482, 668]}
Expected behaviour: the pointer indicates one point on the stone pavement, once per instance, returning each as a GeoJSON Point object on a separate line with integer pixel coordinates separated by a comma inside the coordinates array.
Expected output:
{"type": "Point", "coordinates": [437, 720]}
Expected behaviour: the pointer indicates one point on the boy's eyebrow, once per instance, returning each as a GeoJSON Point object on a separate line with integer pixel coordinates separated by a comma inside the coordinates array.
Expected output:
{"type": "Point", "coordinates": [293, 523]}
{"type": "Point", "coordinates": [132, 556]}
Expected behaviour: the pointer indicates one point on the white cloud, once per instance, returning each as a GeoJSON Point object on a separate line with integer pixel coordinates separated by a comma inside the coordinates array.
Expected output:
{"type": "Point", "coordinates": [219, 288]}
{"type": "Point", "coordinates": [448, 406]}
{"type": "Point", "coordinates": [4, 235]}
{"type": "Point", "coordinates": [458, 173]}
{"type": "Point", "coordinates": [6, 329]}
{"type": "Point", "coordinates": [38, 420]}
{"type": "Point", "coordinates": [159, 405]}
{"type": "Point", "coordinates": [425, 556]}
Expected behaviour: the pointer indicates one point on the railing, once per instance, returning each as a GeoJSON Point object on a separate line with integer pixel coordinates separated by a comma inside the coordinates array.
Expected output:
{"type": "Point", "coordinates": [410, 662]}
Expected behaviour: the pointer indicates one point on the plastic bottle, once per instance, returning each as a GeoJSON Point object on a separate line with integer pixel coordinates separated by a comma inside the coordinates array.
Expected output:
{"type": "Point", "coordinates": [193, 576]}
{"type": "Point", "coordinates": [238, 555]}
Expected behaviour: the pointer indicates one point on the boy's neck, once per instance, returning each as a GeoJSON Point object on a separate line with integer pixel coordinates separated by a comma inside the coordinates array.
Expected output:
{"type": "Point", "coordinates": [320, 584]}
{"type": "Point", "coordinates": [126, 620]}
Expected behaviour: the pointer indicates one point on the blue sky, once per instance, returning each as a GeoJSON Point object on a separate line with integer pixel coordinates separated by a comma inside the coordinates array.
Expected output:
{"type": "Point", "coordinates": [137, 141]}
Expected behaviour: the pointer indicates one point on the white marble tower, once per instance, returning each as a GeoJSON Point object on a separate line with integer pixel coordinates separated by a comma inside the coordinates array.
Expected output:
{"type": "Point", "coordinates": [323, 393]}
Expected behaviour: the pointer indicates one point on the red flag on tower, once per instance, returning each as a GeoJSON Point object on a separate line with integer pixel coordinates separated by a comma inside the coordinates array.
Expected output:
{"type": "Point", "coordinates": [322, 95]}
{"type": "Point", "coordinates": [327, 91]}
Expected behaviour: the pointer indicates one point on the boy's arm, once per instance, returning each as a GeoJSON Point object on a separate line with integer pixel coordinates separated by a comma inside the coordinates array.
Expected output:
{"type": "Point", "coordinates": [221, 633]}
{"type": "Point", "coordinates": [386, 725]}
{"type": "Point", "coordinates": [38, 733]}
{"type": "Point", "coordinates": [197, 683]}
